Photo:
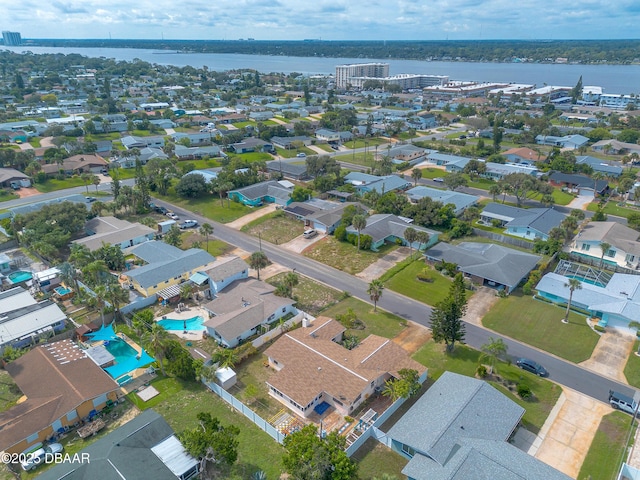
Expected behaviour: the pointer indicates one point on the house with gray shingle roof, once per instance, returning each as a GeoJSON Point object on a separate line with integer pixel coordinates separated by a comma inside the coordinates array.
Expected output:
{"type": "Point", "coordinates": [113, 231]}
{"type": "Point", "coordinates": [624, 246]}
{"type": "Point", "coordinates": [373, 183]}
{"type": "Point", "coordinates": [600, 165]}
{"type": "Point", "coordinates": [224, 271]}
{"type": "Point", "coordinates": [459, 200]}
{"type": "Point", "coordinates": [387, 228]}
{"type": "Point", "coordinates": [255, 195]}
{"type": "Point", "coordinates": [529, 223]}
{"type": "Point", "coordinates": [460, 429]}
{"type": "Point", "coordinates": [486, 263]}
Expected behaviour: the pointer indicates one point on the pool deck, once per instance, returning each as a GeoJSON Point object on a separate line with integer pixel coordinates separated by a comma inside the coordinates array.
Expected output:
{"type": "Point", "coordinates": [190, 312]}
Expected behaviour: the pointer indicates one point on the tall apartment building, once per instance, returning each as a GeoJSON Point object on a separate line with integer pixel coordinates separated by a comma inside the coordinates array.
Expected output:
{"type": "Point", "coordinates": [11, 39]}
{"type": "Point", "coordinates": [371, 70]}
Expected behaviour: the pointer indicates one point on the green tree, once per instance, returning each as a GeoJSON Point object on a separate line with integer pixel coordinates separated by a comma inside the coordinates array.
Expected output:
{"type": "Point", "coordinates": [258, 261]}
{"type": "Point", "coordinates": [375, 292]}
{"type": "Point", "coordinates": [191, 186]}
{"type": "Point", "coordinates": [116, 296]}
{"type": "Point", "coordinates": [604, 247]}
{"type": "Point", "coordinates": [309, 457]}
{"type": "Point", "coordinates": [226, 358]}
{"type": "Point", "coordinates": [359, 222]}
{"type": "Point", "coordinates": [446, 317]}
{"type": "Point", "coordinates": [173, 236]}
{"type": "Point", "coordinates": [206, 230]}
{"type": "Point", "coordinates": [493, 351]}
{"type": "Point", "coordinates": [573, 284]}
{"type": "Point", "coordinates": [411, 236]}
{"type": "Point", "coordinates": [416, 174]}
{"type": "Point", "coordinates": [291, 279]}
{"type": "Point", "coordinates": [211, 442]}
{"type": "Point", "coordinates": [454, 181]}
{"type": "Point", "coordinates": [87, 178]}
{"type": "Point", "coordinates": [156, 342]}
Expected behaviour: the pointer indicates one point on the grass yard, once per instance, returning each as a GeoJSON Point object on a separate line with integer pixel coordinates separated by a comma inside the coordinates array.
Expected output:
{"type": "Point", "coordinates": [208, 206]}
{"type": "Point", "coordinates": [7, 195]}
{"type": "Point", "coordinates": [9, 391]}
{"type": "Point", "coordinates": [179, 402]}
{"type": "Point", "coordinates": [375, 459]}
{"type": "Point", "coordinates": [380, 323]}
{"type": "Point", "coordinates": [97, 137]}
{"type": "Point", "coordinates": [537, 323]}
{"type": "Point", "coordinates": [464, 360]}
{"type": "Point", "coordinates": [632, 368]}
{"type": "Point", "coordinates": [404, 281]}
{"type": "Point", "coordinates": [370, 142]}
{"type": "Point", "coordinates": [612, 208]}
{"type": "Point", "coordinates": [560, 197]}
{"type": "Point", "coordinates": [312, 297]}
{"type": "Point", "coordinates": [201, 164]}
{"type": "Point", "coordinates": [344, 256]}
{"type": "Point", "coordinates": [367, 160]}
{"type": "Point", "coordinates": [432, 173]}
{"type": "Point", "coordinates": [607, 448]}
{"type": "Point", "coordinates": [255, 156]}
{"type": "Point", "coordinates": [325, 147]}
{"type": "Point", "coordinates": [481, 183]}
{"type": "Point", "coordinates": [275, 227]}
{"type": "Point", "coordinates": [215, 248]}
{"type": "Point", "coordinates": [52, 184]}
{"type": "Point", "coordinates": [292, 152]}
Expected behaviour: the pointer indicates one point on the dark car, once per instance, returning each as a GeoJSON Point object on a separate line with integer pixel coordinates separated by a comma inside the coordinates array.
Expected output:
{"type": "Point", "coordinates": [531, 366]}
{"type": "Point", "coordinates": [161, 210]}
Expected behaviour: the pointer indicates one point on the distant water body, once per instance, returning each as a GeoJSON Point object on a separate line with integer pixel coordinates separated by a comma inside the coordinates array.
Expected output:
{"type": "Point", "coordinates": [612, 78]}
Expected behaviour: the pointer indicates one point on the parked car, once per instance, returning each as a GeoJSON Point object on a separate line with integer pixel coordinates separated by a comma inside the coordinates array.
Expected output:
{"type": "Point", "coordinates": [15, 185]}
{"type": "Point", "coordinates": [335, 147]}
{"type": "Point", "coordinates": [188, 224]}
{"type": "Point", "coordinates": [531, 366]}
{"type": "Point", "coordinates": [623, 402]}
{"type": "Point", "coordinates": [35, 458]}
{"type": "Point", "coordinates": [310, 233]}
{"type": "Point", "coordinates": [438, 179]}
{"type": "Point", "coordinates": [172, 216]}
{"type": "Point", "coordinates": [91, 199]}
{"type": "Point", "coordinates": [161, 210]}
{"type": "Point", "coordinates": [301, 155]}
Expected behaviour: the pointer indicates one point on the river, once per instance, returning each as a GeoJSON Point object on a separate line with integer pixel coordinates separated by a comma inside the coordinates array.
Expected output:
{"type": "Point", "coordinates": [612, 78]}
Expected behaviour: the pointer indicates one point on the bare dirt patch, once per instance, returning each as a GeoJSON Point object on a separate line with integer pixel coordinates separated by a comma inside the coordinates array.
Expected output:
{"type": "Point", "coordinates": [413, 337]}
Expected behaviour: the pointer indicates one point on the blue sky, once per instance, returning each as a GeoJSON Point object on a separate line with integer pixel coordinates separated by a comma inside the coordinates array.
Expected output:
{"type": "Point", "coordinates": [326, 19]}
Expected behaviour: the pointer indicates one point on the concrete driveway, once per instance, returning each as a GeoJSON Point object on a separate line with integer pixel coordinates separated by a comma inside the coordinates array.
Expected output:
{"type": "Point", "coordinates": [581, 202]}
{"type": "Point", "coordinates": [300, 244]}
{"type": "Point", "coordinates": [611, 353]}
{"type": "Point", "coordinates": [380, 266]}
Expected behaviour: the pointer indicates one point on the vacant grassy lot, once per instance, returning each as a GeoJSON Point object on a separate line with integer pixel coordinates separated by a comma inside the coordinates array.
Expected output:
{"type": "Point", "coordinates": [464, 360]}
{"type": "Point", "coordinates": [612, 208]}
{"type": "Point", "coordinates": [632, 368]}
{"type": "Point", "coordinates": [255, 156]}
{"type": "Point", "coordinates": [215, 247]}
{"type": "Point", "coordinates": [405, 282]}
{"type": "Point", "coordinates": [201, 164]}
{"type": "Point", "coordinates": [539, 324]}
{"type": "Point", "coordinates": [366, 160]}
{"type": "Point", "coordinates": [292, 152]}
{"type": "Point", "coordinates": [208, 206]}
{"type": "Point", "coordinates": [608, 447]}
{"type": "Point", "coordinates": [380, 323]}
{"type": "Point", "coordinates": [179, 402]}
{"type": "Point", "coordinates": [375, 459]}
{"type": "Point", "coordinates": [433, 173]}
{"type": "Point", "coordinates": [369, 142]}
{"type": "Point", "coordinates": [560, 197]}
{"type": "Point", "coordinates": [275, 227]}
{"type": "Point", "coordinates": [344, 256]}
{"type": "Point", "coordinates": [312, 297]}
{"type": "Point", "coordinates": [52, 185]}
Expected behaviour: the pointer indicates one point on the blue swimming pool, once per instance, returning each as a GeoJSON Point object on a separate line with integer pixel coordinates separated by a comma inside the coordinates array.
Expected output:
{"type": "Point", "coordinates": [125, 356]}
{"type": "Point", "coordinates": [194, 323]}
{"type": "Point", "coordinates": [62, 290]}
{"type": "Point", "coordinates": [20, 276]}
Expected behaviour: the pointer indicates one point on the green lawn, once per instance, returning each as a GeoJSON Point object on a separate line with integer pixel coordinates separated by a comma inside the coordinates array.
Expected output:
{"type": "Point", "coordinates": [344, 256]}
{"type": "Point", "coordinates": [406, 283]}
{"type": "Point", "coordinates": [7, 195]}
{"type": "Point", "coordinates": [292, 152]}
{"type": "Point", "coordinates": [367, 160]}
{"type": "Point", "coordinates": [375, 459]}
{"type": "Point", "coordinates": [380, 323]}
{"type": "Point", "coordinates": [312, 297]}
{"type": "Point", "coordinates": [632, 368]}
{"type": "Point", "coordinates": [202, 164]}
{"type": "Point", "coordinates": [34, 142]}
{"type": "Point", "coordinates": [52, 184]}
{"type": "Point", "coordinates": [370, 142]}
{"type": "Point", "coordinates": [537, 323]}
{"type": "Point", "coordinates": [481, 183]}
{"type": "Point", "coordinates": [325, 147]}
{"type": "Point", "coordinates": [612, 208]}
{"type": "Point", "coordinates": [607, 448]}
{"type": "Point", "coordinates": [208, 206]}
{"type": "Point", "coordinates": [9, 391]}
{"type": "Point", "coordinates": [464, 360]}
{"type": "Point", "coordinates": [216, 247]}
{"type": "Point", "coordinates": [255, 156]}
{"type": "Point", "coordinates": [96, 137]}
{"type": "Point", "coordinates": [433, 173]}
{"type": "Point", "coordinates": [275, 227]}
{"type": "Point", "coordinates": [179, 402]}
{"type": "Point", "coordinates": [560, 197]}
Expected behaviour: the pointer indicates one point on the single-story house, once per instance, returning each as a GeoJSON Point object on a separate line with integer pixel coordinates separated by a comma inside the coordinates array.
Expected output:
{"type": "Point", "coordinates": [460, 429]}
{"type": "Point", "coordinates": [209, 174]}
{"type": "Point", "coordinates": [245, 308]}
{"type": "Point", "coordinates": [261, 116]}
{"type": "Point", "coordinates": [617, 303]}
{"type": "Point", "coordinates": [271, 191]}
{"type": "Point", "coordinates": [288, 170]}
{"type": "Point", "coordinates": [313, 369]}
{"type": "Point", "coordinates": [486, 263]}
{"type": "Point", "coordinates": [144, 447]}
{"type": "Point", "coordinates": [581, 184]}
{"type": "Point", "coordinates": [497, 171]}
{"type": "Point", "coordinates": [523, 155]}
{"type": "Point", "coordinates": [365, 182]}
{"type": "Point", "coordinates": [130, 142]}
{"type": "Point", "coordinates": [572, 142]}
{"type": "Point", "coordinates": [300, 210]}
{"type": "Point", "coordinates": [224, 271]}
{"type": "Point", "coordinates": [327, 220]}
{"type": "Point", "coordinates": [10, 176]}
{"type": "Point", "coordinates": [624, 247]}
{"type": "Point", "coordinates": [166, 266]}
{"type": "Point", "coordinates": [446, 159]}
{"type": "Point", "coordinates": [251, 144]}
{"type": "Point", "coordinates": [286, 142]}
{"type": "Point", "coordinates": [189, 153]}
{"type": "Point", "coordinates": [113, 231]}
{"type": "Point", "coordinates": [63, 386]}
{"type": "Point", "coordinates": [406, 153]}
{"type": "Point", "coordinates": [529, 223]}
{"type": "Point", "coordinates": [600, 165]}
{"type": "Point", "coordinates": [387, 228]}
{"type": "Point", "coordinates": [460, 201]}
{"type": "Point", "coordinates": [34, 207]}
{"type": "Point", "coordinates": [197, 139]}
{"type": "Point", "coordinates": [615, 147]}
{"type": "Point", "coordinates": [25, 321]}
{"type": "Point", "coordinates": [83, 163]}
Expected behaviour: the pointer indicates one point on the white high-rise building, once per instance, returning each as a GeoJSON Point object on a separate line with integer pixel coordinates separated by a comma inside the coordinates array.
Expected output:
{"type": "Point", "coordinates": [11, 39]}
{"type": "Point", "coordinates": [372, 70]}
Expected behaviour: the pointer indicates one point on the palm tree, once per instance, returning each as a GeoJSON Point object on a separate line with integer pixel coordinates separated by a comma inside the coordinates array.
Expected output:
{"type": "Point", "coordinates": [573, 284]}
{"type": "Point", "coordinates": [226, 358]}
{"type": "Point", "coordinates": [416, 174]}
{"type": "Point", "coordinates": [95, 271]}
{"type": "Point", "coordinates": [116, 296]}
{"type": "Point", "coordinates": [69, 275]}
{"type": "Point", "coordinates": [359, 222]}
{"type": "Point", "coordinates": [423, 238]}
{"type": "Point", "coordinates": [604, 246]}
{"type": "Point", "coordinates": [375, 292]}
{"type": "Point", "coordinates": [96, 181]}
{"type": "Point", "coordinates": [100, 295]}
{"type": "Point", "coordinates": [205, 230]}
{"type": "Point", "coordinates": [258, 261]}
{"type": "Point", "coordinates": [494, 350]}
{"type": "Point", "coordinates": [390, 390]}
{"type": "Point", "coordinates": [495, 190]}
{"type": "Point", "coordinates": [411, 236]}
{"type": "Point", "coordinates": [86, 179]}
{"type": "Point", "coordinates": [291, 279]}
{"type": "Point", "coordinates": [156, 341]}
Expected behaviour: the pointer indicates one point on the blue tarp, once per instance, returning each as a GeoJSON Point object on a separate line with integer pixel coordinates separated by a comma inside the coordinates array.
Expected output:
{"type": "Point", "coordinates": [105, 333]}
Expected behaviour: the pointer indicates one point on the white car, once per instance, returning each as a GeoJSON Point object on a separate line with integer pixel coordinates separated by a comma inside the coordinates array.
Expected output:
{"type": "Point", "coordinates": [172, 216]}
{"type": "Point", "coordinates": [188, 224]}
{"type": "Point", "coordinates": [35, 458]}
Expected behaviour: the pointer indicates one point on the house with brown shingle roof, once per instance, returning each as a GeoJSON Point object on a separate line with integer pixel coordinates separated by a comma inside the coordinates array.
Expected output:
{"type": "Point", "coordinates": [62, 386]}
{"type": "Point", "coordinates": [312, 367]}
{"type": "Point", "coordinates": [523, 155]}
{"type": "Point", "coordinates": [90, 163]}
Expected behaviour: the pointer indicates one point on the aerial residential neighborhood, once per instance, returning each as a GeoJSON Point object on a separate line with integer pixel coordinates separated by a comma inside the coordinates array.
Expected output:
{"type": "Point", "coordinates": [368, 274]}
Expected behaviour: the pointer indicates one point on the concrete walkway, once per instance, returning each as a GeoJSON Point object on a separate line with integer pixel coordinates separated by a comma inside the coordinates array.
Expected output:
{"type": "Point", "coordinates": [250, 217]}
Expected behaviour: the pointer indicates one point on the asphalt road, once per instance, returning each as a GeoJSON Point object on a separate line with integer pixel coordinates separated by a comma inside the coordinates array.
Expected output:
{"type": "Point", "coordinates": [561, 371]}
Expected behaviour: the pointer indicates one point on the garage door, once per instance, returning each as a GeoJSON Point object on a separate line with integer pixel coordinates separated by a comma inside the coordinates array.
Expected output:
{"type": "Point", "coordinates": [587, 192]}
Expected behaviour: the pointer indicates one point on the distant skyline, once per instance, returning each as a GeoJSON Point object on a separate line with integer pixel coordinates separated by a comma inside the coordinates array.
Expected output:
{"type": "Point", "coordinates": [323, 19]}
